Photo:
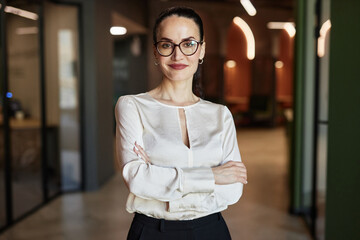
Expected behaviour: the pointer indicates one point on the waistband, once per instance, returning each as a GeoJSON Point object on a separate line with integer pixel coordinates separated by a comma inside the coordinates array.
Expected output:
{"type": "Point", "coordinates": [163, 224]}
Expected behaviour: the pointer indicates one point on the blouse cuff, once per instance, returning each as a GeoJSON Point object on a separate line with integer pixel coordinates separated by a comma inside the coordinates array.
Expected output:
{"type": "Point", "coordinates": [197, 180]}
{"type": "Point", "coordinates": [199, 202]}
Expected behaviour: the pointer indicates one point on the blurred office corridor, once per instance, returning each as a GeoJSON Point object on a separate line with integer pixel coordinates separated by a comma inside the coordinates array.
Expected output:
{"type": "Point", "coordinates": [287, 71]}
{"type": "Point", "coordinates": [261, 213]}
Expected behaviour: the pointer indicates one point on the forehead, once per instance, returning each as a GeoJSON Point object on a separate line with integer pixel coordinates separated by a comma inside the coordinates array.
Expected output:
{"type": "Point", "coordinates": [175, 27]}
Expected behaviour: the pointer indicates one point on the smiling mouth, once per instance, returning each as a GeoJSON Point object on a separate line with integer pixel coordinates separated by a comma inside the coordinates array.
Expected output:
{"type": "Point", "coordinates": [178, 66]}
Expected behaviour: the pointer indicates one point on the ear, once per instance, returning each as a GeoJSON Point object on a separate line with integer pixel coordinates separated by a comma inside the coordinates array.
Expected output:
{"type": "Point", "coordinates": [155, 52]}
{"type": "Point", "coordinates": [202, 51]}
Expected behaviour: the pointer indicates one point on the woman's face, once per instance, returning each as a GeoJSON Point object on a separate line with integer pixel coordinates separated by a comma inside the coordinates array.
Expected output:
{"type": "Point", "coordinates": [177, 66]}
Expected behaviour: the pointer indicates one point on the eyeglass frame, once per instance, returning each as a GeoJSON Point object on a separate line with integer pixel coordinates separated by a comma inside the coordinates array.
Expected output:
{"type": "Point", "coordinates": [178, 45]}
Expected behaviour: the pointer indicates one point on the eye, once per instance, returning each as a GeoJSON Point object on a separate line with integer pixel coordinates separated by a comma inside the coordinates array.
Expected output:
{"type": "Point", "coordinates": [165, 45]}
{"type": "Point", "coordinates": [189, 44]}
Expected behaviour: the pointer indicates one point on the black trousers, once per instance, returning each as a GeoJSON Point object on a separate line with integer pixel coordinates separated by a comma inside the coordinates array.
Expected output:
{"type": "Point", "coordinates": [212, 227]}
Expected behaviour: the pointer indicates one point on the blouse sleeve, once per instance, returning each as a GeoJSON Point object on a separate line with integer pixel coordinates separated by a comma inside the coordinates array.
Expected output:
{"type": "Point", "coordinates": [146, 180]}
{"type": "Point", "coordinates": [223, 195]}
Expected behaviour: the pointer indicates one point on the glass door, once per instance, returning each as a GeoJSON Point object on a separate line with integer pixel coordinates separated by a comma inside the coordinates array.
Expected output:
{"type": "Point", "coordinates": [24, 99]}
{"type": "Point", "coordinates": [40, 153]}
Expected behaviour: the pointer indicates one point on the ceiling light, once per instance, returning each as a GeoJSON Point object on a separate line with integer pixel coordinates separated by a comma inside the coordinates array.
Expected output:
{"type": "Point", "coordinates": [118, 30]}
{"type": "Point", "coordinates": [321, 40]}
{"type": "Point", "coordinates": [289, 27]}
{"type": "Point", "coordinates": [230, 64]}
{"type": "Point", "coordinates": [21, 13]}
{"type": "Point", "coordinates": [325, 27]}
{"type": "Point", "coordinates": [248, 35]}
{"type": "Point", "coordinates": [276, 25]}
{"type": "Point", "coordinates": [279, 64]}
{"type": "Point", "coordinates": [249, 8]}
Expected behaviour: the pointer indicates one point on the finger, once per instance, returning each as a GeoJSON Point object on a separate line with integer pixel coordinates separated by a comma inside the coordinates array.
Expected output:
{"type": "Point", "coordinates": [142, 152]}
{"type": "Point", "coordinates": [137, 152]}
{"type": "Point", "coordinates": [244, 176]}
{"type": "Point", "coordinates": [140, 149]}
{"type": "Point", "coordinates": [147, 159]}
{"type": "Point", "coordinates": [235, 163]}
{"type": "Point", "coordinates": [237, 169]}
{"type": "Point", "coordinates": [137, 147]}
{"type": "Point", "coordinates": [240, 166]}
{"type": "Point", "coordinates": [243, 181]}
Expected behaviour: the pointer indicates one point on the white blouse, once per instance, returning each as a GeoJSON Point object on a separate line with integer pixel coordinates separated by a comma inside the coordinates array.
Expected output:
{"type": "Point", "coordinates": [178, 183]}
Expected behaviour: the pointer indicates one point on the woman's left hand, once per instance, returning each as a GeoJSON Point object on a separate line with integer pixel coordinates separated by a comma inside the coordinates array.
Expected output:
{"type": "Point", "coordinates": [141, 153]}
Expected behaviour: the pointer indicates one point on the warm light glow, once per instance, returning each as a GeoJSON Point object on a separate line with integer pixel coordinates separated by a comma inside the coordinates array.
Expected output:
{"type": "Point", "coordinates": [288, 26]}
{"type": "Point", "coordinates": [279, 64]}
{"type": "Point", "coordinates": [248, 35]}
{"type": "Point", "coordinates": [276, 25]}
{"type": "Point", "coordinates": [230, 64]}
{"type": "Point", "coordinates": [249, 8]}
{"type": "Point", "coordinates": [321, 40]}
{"type": "Point", "coordinates": [290, 29]}
{"type": "Point", "coordinates": [21, 13]}
{"type": "Point", "coordinates": [118, 30]}
{"type": "Point", "coordinates": [27, 30]}
{"type": "Point", "coordinates": [325, 27]}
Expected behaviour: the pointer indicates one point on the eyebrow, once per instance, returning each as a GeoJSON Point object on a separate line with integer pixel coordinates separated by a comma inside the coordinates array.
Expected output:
{"type": "Point", "coordinates": [168, 39]}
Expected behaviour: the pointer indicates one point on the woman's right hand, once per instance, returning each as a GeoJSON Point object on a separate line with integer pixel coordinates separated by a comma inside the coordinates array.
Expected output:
{"type": "Point", "coordinates": [230, 172]}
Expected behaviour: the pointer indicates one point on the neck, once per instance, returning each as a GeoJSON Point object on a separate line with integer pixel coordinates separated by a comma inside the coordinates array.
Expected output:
{"type": "Point", "coordinates": [178, 92]}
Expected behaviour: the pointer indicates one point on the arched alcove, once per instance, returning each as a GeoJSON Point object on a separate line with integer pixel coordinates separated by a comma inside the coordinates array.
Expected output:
{"type": "Point", "coordinates": [237, 79]}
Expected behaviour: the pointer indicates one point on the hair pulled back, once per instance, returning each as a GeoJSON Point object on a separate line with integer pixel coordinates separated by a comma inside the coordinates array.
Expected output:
{"type": "Point", "coordinates": [185, 12]}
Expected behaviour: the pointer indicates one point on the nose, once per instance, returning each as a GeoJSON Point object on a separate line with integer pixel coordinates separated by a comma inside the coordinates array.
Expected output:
{"type": "Point", "coordinates": [177, 54]}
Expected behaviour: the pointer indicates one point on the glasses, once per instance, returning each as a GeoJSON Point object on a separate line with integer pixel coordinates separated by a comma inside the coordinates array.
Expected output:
{"type": "Point", "coordinates": [187, 47]}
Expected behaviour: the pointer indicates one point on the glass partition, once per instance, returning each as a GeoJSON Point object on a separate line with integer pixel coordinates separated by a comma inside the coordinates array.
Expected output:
{"type": "Point", "coordinates": [39, 90]}
{"type": "Point", "coordinates": [2, 171]}
{"type": "Point", "coordinates": [2, 178]}
{"type": "Point", "coordinates": [2, 147]}
{"type": "Point", "coordinates": [22, 33]}
{"type": "Point", "coordinates": [62, 97]}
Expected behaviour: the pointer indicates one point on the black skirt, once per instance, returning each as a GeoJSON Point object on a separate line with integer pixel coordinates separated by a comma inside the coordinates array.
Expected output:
{"type": "Point", "coordinates": [212, 227]}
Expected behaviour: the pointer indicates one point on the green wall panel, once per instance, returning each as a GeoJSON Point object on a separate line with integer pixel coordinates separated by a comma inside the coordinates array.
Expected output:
{"type": "Point", "coordinates": [343, 173]}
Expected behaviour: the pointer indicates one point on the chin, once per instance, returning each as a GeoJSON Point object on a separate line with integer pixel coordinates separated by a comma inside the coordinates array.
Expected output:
{"type": "Point", "coordinates": [179, 77]}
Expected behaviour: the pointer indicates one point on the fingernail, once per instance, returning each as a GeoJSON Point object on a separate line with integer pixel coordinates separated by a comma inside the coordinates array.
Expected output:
{"type": "Point", "coordinates": [246, 182]}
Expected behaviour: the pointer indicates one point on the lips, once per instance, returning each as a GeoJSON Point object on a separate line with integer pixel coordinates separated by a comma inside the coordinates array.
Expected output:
{"type": "Point", "coordinates": [178, 66]}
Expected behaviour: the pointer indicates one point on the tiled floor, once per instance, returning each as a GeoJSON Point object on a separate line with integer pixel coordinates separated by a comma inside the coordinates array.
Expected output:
{"type": "Point", "coordinates": [261, 214]}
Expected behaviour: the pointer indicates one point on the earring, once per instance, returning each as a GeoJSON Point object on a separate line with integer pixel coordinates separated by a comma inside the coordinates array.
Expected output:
{"type": "Point", "coordinates": [156, 63]}
{"type": "Point", "coordinates": [201, 61]}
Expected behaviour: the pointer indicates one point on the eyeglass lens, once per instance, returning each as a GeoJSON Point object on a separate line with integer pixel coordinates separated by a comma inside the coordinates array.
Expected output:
{"type": "Point", "coordinates": [166, 48]}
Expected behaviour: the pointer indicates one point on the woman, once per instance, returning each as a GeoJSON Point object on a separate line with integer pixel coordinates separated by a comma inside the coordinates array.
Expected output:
{"type": "Point", "coordinates": [179, 153]}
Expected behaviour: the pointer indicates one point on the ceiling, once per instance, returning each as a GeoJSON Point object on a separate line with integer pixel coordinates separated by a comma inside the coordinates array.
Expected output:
{"type": "Point", "coordinates": [284, 4]}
